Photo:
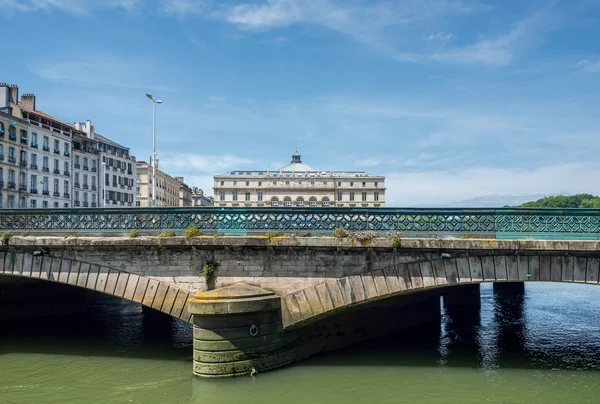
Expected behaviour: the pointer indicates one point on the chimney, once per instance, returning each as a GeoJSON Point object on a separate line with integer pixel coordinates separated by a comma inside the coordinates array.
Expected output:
{"type": "Point", "coordinates": [28, 101]}
{"type": "Point", "coordinates": [5, 98]}
{"type": "Point", "coordinates": [14, 94]}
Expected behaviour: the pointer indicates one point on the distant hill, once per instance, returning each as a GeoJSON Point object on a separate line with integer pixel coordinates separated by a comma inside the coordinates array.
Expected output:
{"type": "Point", "coordinates": [561, 201]}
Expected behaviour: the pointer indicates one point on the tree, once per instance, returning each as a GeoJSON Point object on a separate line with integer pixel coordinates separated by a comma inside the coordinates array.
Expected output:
{"type": "Point", "coordinates": [562, 201]}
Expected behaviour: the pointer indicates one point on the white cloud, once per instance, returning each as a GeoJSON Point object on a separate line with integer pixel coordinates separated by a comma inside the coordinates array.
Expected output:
{"type": "Point", "coordinates": [440, 37]}
{"type": "Point", "coordinates": [76, 7]}
{"type": "Point", "coordinates": [591, 65]}
{"type": "Point", "coordinates": [446, 187]}
{"type": "Point", "coordinates": [499, 50]}
{"type": "Point", "coordinates": [191, 163]}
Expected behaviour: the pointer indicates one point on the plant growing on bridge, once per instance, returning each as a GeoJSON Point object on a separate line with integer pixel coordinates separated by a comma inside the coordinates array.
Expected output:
{"type": "Point", "coordinates": [271, 234]}
{"type": "Point", "coordinates": [168, 233]}
{"type": "Point", "coordinates": [208, 269]}
{"type": "Point", "coordinates": [363, 236]}
{"type": "Point", "coordinates": [6, 236]}
{"type": "Point", "coordinates": [192, 231]}
{"type": "Point", "coordinates": [340, 232]}
{"type": "Point", "coordinates": [134, 233]}
{"type": "Point", "coordinates": [396, 241]}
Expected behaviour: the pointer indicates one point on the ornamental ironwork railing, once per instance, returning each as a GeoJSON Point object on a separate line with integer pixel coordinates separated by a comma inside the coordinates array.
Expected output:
{"type": "Point", "coordinates": [568, 224]}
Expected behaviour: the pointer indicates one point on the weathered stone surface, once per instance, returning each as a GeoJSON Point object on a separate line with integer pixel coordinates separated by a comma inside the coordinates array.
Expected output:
{"type": "Point", "coordinates": [556, 269]}
{"type": "Point", "coordinates": [489, 269]}
{"type": "Point", "coordinates": [427, 273]}
{"type": "Point", "coordinates": [579, 269]}
{"type": "Point", "coordinates": [451, 271]}
{"type": "Point", "coordinates": [512, 268]}
{"type": "Point", "coordinates": [440, 272]}
{"type": "Point", "coordinates": [592, 275]}
{"type": "Point", "coordinates": [476, 269]}
{"type": "Point", "coordinates": [464, 274]}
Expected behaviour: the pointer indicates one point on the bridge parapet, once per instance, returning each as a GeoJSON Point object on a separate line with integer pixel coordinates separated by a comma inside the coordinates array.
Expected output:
{"type": "Point", "coordinates": [511, 223]}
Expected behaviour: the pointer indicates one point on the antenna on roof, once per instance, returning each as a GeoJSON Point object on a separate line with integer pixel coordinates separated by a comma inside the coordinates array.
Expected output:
{"type": "Point", "coordinates": [296, 146]}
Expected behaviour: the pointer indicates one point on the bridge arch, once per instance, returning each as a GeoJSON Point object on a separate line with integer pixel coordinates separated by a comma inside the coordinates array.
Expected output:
{"type": "Point", "coordinates": [146, 291]}
{"type": "Point", "coordinates": [336, 295]}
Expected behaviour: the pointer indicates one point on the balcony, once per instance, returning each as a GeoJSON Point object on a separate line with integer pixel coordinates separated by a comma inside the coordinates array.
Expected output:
{"type": "Point", "coordinates": [45, 169]}
{"type": "Point", "coordinates": [1, 132]}
{"type": "Point", "coordinates": [122, 186]}
{"type": "Point", "coordinates": [56, 171]}
{"type": "Point", "coordinates": [56, 194]}
{"type": "Point", "coordinates": [86, 186]}
{"type": "Point", "coordinates": [24, 139]}
{"type": "Point", "coordinates": [130, 172]}
{"type": "Point", "coordinates": [12, 136]}
{"type": "Point", "coordinates": [93, 188]}
{"type": "Point", "coordinates": [11, 185]}
{"type": "Point", "coordinates": [23, 163]}
{"type": "Point", "coordinates": [57, 151]}
{"type": "Point", "coordinates": [34, 145]}
{"type": "Point", "coordinates": [23, 187]}
{"type": "Point", "coordinates": [93, 204]}
{"type": "Point", "coordinates": [77, 166]}
{"type": "Point", "coordinates": [12, 159]}
{"type": "Point", "coordinates": [33, 191]}
{"type": "Point", "coordinates": [46, 148]}
{"type": "Point", "coordinates": [1, 184]}
{"type": "Point", "coordinates": [76, 185]}
{"type": "Point", "coordinates": [67, 195]}
{"type": "Point", "coordinates": [66, 173]}
{"type": "Point", "coordinates": [76, 203]}
{"type": "Point", "coordinates": [34, 167]}
{"type": "Point", "coordinates": [86, 205]}
{"type": "Point", "coordinates": [94, 169]}
{"type": "Point", "coordinates": [86, 168]}
{"type": "Point", "coordinates": [45, 192]}
{"type": "Point", "coordinates": [2, 156]}
{"type": "Point", "coordinates": [67, 153]}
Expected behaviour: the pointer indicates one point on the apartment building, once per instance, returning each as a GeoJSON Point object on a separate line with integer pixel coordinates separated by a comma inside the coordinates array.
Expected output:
{"type": "Point", "coordinates": [86, 163]}
{"type": "Point", "coordinates": [199, 199]}
{"type": "Point", "coordinates": [119, 172]}
{"type": "Point", "coordinates": [170, 191]}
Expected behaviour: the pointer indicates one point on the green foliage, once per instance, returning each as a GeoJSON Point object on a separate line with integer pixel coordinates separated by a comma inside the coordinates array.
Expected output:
{"type": "Point", "coordinates": [464, 236]}
{"type": "Point", "coordinates": [208, 269]}
{"type": "Point", "coordinates": [6, 236]}
{"type": "Point", "coordinates": [340, 232]}
{"type": "Point", "coordinates": [561, 201]}
{"type": "Point", "coordinates": [396, 241]}
{"type": "Point", "coordinates": [168, 233]}
{"type": "Point", "coordinates": [192, 231]}
{"type": "Point", "coordinates": [272, 234]}
{"type": "Point", "coordinates": [134, 233]}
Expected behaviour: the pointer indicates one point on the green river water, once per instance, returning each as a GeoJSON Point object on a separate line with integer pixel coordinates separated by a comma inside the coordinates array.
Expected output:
{"type": "Point", "coordinates": [543, 349]}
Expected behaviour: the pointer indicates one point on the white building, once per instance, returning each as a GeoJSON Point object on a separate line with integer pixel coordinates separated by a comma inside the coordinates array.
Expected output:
{"type": "Point", "coordinates": [199, 199]}
{"type": "Point", "coordinates": [86, 163]}
{"type": "Point", "coordinates": [118, 168]}
{"type": "Point", "coordinates": [299, 185]}
{"type": "Point", "coordinates": [14, 151]}
{"type": "Point", "coordinates": [43, 151]}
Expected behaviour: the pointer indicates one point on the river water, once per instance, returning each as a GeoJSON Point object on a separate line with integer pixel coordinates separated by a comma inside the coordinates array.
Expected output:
{"type": "Point", "coordinates": [543, 348]}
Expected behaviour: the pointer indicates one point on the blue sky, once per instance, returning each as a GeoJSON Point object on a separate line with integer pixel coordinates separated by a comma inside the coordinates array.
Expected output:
{"type": "Point", "coordinates": [450, 99]}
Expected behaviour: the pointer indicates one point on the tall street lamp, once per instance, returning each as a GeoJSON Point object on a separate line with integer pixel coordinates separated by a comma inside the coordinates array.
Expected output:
{"type": "Point", "coordinates": [103, 184]}
{"type": "Point", "coordinates": [154, 102]}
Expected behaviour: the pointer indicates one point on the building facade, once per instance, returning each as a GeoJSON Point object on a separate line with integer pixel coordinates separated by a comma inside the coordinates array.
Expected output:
{"type": "Point", "coordinates": [86, 161]}
{"type": "Point", "coordinates": [299, 185]}
{"type": "Point", "coordinates": [38, 147]}
{"type": "Point", "coordinates": [118, 167]}
{"type": "Point", "coordinates": [170, 191]}
{"type": "Point", "coordinates": [199, 199]}
{"type": "Point", "coordinates": [185, 192]}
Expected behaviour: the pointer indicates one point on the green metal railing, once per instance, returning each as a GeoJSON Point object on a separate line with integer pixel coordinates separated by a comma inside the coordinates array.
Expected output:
{"type": "Point", "coordinates": [513, 223]}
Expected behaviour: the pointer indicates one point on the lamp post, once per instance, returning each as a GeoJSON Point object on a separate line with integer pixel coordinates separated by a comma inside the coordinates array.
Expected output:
{"type": "Point", "coordinates": [103, 184]}
{"type": "Point", "coordinates": [154, 102]}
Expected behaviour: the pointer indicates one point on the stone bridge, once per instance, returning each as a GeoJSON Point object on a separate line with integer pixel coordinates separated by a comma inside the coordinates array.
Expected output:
{"type": "Point", "coordinates": [276, 300]}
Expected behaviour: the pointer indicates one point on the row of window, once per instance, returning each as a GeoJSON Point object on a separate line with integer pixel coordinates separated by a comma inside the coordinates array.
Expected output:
{"type": "Point", "coordinates": [11, 203]}
{"type": "Point", "coordinates": [86, 166]}
{"type": "Point", "coordinates": [34, 185]}
{"type": "Point", "coordinates": [339, 183]}
{"type": "Point", "coordinates": [300, 200]}
{"type": "Point", "coordinates": [118, 181]}
{"type": "Point", "coordinates": [33, 164]}
{"type": "Point", "coordinates": [117, 164]}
